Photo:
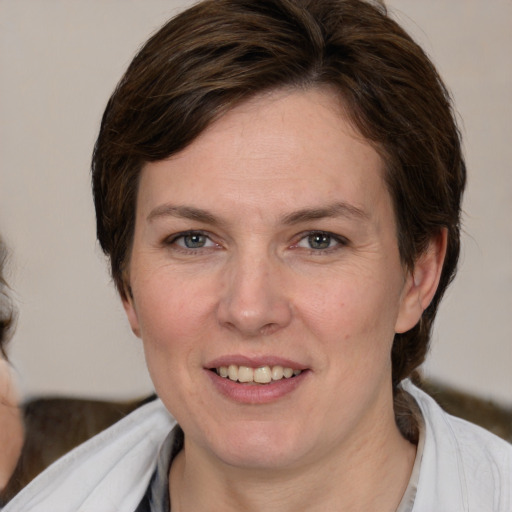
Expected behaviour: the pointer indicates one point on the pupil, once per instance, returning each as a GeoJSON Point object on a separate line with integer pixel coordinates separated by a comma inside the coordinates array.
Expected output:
{"type": "Point", "coordinates": [319, 241]}
{"type": "Point", "coordinates": [194, 241]}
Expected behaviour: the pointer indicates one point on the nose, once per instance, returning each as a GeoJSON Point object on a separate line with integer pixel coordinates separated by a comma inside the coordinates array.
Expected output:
{"type": "Point", "coordinates": [254, 301]}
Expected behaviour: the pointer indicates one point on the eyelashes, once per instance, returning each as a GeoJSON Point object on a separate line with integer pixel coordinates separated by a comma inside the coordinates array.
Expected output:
{"type": "Point", "coordinates": [318, 241]}
{"type": "Point", "coordinates": [315, 242]}
{"type": "Point", "coordinates": [192, 241]}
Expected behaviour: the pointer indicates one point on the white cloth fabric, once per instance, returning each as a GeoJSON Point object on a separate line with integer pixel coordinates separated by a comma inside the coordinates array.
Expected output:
{"type": "Point", "coordinates": [108, 473]}
{"type": "Point", "coordinates": [463, 467]}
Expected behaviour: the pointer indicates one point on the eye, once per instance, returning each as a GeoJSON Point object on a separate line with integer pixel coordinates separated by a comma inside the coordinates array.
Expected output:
{"type": "Point", "coordinates": [192, 240]}
{"type": "Point", "coordinates": [321, 241]}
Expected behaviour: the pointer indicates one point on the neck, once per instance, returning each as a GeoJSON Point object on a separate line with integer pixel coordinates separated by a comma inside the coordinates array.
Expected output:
{"type": "Point", "coordinates": [371, 474]}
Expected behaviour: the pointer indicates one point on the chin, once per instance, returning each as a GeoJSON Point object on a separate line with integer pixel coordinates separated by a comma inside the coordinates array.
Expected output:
{"type": "Point", "coordinates": [259, 447]}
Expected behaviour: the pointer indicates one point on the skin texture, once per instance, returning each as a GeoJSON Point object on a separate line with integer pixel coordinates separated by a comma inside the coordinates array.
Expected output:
{"type": "Point", "coordinates": [254, 187]}
{"type": "Point", "coordinates": [11, 429]}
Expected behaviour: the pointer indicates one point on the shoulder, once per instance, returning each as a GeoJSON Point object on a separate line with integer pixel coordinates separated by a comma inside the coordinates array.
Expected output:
{"type": "Point", "coordinates": [463, 467]}
{"type": "Point", "coordinates": [111, 471]}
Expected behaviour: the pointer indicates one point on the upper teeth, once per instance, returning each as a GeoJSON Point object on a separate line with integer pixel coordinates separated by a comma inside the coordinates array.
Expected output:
{"type": "Point", "coordinates": [261, 375]}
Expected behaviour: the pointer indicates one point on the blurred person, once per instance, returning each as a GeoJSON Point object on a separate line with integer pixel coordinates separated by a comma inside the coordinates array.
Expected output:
{"type": "Point", "coordinates": [11, 428]}
{"type": "Point", "coordinates": [36, 432]}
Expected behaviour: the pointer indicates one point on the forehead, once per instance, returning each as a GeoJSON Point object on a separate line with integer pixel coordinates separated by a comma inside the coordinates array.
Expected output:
{"type": "Point", "coordinates": [281, 149]}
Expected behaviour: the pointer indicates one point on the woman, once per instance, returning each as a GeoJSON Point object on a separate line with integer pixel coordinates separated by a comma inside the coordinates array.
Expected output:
{"type": "Point", "coordinates": [277, 185]}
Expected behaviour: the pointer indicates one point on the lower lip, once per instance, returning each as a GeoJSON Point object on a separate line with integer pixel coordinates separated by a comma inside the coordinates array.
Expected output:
{"type": "Point", "coordinates": [245, 393]}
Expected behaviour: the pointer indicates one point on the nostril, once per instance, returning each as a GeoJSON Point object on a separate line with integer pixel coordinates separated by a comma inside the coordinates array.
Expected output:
{"type": "Point", "coordinates": [269, 329]}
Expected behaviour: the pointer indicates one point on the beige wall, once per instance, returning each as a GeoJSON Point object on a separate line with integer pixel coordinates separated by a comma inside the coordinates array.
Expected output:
{"type": "Point", "coordinates": [60, 59]}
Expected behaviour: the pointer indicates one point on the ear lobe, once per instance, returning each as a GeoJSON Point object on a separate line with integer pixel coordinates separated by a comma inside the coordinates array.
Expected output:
{"type": "Point", "coordinates": [421, 284]}
{"type": "Point", "coordinates": [131, 312]}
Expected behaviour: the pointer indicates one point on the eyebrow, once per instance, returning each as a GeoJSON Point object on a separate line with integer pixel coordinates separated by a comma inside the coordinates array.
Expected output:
{"type": "Point", "coordinates": [184, 212]}
{"type": "Point", "coordinates": [339, 209]}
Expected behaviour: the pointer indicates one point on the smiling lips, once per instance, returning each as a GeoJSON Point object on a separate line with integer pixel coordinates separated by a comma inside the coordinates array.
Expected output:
{"type": "Point", "coordinates": [256, 381]}
{"type": "Point", "coordinates": [260, 375]}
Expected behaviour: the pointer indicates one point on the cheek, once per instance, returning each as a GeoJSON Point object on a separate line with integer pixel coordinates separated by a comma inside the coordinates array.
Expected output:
{"type": "Point", "coordinates": [353, 320]}
{"type": "Point", "coordinates": [349, 308]}
{"type": "Point", "coordinates": [170, 310]}
{"type": "Point", "coordinates": [170, 319]}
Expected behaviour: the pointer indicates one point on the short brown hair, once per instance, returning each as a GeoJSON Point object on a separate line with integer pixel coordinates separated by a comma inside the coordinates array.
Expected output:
{"type": "Point", "coordinates": [219, 53]}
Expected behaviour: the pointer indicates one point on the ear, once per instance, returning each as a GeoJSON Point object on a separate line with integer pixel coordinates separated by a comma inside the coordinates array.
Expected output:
{"type": "Point", "coordinates": [421, 283]}
{"type": "Point", "coordinates": [131, 311]}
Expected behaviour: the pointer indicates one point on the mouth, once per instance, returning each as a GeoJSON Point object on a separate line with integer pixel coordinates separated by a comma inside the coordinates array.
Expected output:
{"type": "Point", "coordinates": [260, 375]}
{"type": "Point", "coordinates": [256, 380]}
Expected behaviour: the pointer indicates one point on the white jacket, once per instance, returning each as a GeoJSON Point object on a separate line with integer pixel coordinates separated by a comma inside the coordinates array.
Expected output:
{"type": "Point", "coordinates": [464, 468]}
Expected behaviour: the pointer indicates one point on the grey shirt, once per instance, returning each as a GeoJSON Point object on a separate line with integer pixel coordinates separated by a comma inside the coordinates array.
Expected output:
{"type": "Point", "coordinates": [156, 498]}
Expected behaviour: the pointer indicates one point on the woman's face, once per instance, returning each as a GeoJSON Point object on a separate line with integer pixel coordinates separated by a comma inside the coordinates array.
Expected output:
{"type": "Point", "coordinates": [268, 247]}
